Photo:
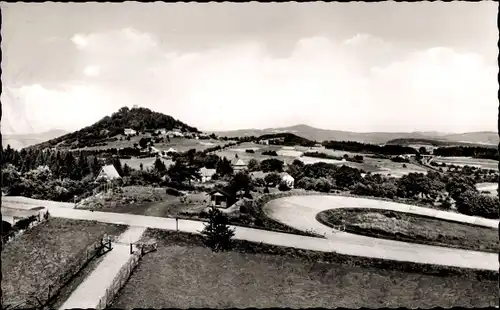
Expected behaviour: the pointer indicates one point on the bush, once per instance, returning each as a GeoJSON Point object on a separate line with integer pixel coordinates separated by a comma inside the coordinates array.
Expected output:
{"type": "Point", "coordinates": [283, 187]}
{"type": "Point", "coordinates": [475, 204]}
{"type": "Point", "coordinates": [250, 151]}
{"type": "Point", "coordinates": [270, 153]}
{"type": "Point", "coordinates": [266, 190]}
{"type": "Point", "coordinates": [323, 185]}
{"type": "Point", "coordinates": [173, 192]}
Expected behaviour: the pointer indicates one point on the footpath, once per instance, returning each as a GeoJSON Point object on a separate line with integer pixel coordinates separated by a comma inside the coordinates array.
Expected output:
{"type": "Point", "coordinates": [95, 287]}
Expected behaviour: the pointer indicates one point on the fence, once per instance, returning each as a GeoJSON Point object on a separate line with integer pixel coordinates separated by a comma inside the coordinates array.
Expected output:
{"type": "Point", "coordinates": [120, 279]}
{"type": "Point", "coordinates": [43, 297]}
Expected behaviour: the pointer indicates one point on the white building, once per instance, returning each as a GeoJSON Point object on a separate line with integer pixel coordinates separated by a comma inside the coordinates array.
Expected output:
{"type": "Point", "coordinates": [162, 131]}
{"type": "Point", "coordinates": [129, 132]}
{"type": "Point", "coordinates": [206, 174]}
{"type": "Point", "coordinates": [287, 179]}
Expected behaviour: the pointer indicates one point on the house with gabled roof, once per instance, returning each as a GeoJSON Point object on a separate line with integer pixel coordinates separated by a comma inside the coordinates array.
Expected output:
{"type": "Point", "coordinates": [108, 173]}
{"type": "Point", "coordinates": [238, 164]}
{"type": "Point", "coordinates": [222, 197]}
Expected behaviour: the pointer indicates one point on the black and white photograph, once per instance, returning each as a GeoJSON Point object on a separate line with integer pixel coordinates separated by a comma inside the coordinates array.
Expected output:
{"type": "Point", "coordinates": [249, 155]}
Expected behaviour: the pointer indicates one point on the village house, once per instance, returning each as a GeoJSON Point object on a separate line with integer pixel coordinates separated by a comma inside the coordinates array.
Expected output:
{"type": "Point", "coordinates": [287, 179]}
{"type": "Point", "coordinates": [206, 174]}
{"type": "Point", "coordinates": [161, 132]}
{"type": "Point", "coordinates": [238, 165]}
{"type": "Point", "coordinates": [222, 198]}
{"type": "Point", "coordinates": [129, 132]}
{"type": "Point", "coordinates": [108, 173]}
{"type": "Point", "coordinates": [174, 133]}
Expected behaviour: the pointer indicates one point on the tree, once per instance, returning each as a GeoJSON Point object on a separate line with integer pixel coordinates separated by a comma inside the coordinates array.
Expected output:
{"type": "Point", "coordinates": [272, 179]}
{"type": "Point", "coordinates": [346, 176]}
{"type": "Point", "coordinates": [160, 166]}
{"type": "Point", "coordinates": [217, 232]}
{"type": "Point", "coordinates": [271, 164]}
{"type": "Point", "coordinates": [240, 181]}
{"type": "Point", "coordinates": [143, 143]}
{"type": "Point", "coordinates": [253, 165]}
{"type": "Point", "coordinates": [476, 204]}
{"type": "Point", "coordinates": [224, 167]}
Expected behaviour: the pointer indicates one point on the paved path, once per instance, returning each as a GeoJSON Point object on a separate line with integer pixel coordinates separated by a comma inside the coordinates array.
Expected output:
{"type": "Point", "coordinates": [300, 212]}
{"type": "Point", "coordinates": [342, 243]}
{"type": "Point", "coordinates": [93, 288]}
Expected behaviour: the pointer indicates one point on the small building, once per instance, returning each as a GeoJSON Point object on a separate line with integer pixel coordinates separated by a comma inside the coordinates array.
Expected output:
{"type": "Point", "coordinates": [222, 198]}
{"type": "Point", "coordinates": [287, 179]}
{"type": "Point", "coordinates": [108, 173]}
{"type": "Point", "coordinates": [161, 132]}
{"type": "Point", "coordinates": [173, 134]}
{"type": "Point", "coordinates": [238, 165]}
{"type": "Point", "coordinates": [206, 174]}
{"type": "Point", "coordinates": [154, 150]}
{"type": "Point", "coordinates": [129, 132]}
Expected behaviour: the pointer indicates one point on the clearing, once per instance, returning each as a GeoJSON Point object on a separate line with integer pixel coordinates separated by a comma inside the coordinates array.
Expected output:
{"type": "Point", "coordinates": [463, 161]}
{"type": "Point", "coordinates": [413, 228]}
{"type": "Point", "coordinates": [43, 254]}
{"type": "Point", "coordinates": [193, 276]}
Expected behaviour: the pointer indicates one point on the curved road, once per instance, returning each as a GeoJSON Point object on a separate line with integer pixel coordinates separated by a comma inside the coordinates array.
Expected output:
{"type": "Point", "coordinates": [300, 212]}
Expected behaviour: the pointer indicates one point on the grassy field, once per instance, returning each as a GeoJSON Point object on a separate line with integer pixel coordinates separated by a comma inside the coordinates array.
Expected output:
{"type": "Point", "coordinates": [193, 276]}
{"type": "Point", "coordinates": [180, 144]}
{"type": "Point", "coordinates": [370, 164]}
{"type": "Point", "coordinates": [39, 256]}
{"type": "Point", "coordinates": [148, 162]}
{"type": "Point", "coordinates": [484, 163]}
{"type": "Point", "coordinates": [412, 228]}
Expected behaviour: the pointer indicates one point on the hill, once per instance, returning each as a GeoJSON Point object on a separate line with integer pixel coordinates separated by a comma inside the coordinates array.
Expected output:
{"type": "Point", "coordinates": [318, 134]}
{"type": "Point", "coordinates": [19, 141]}
{"type": "Point", "coordinates": [288, 139]}
{"type": "Point", "coordinates": [437, 143]}
{"type": "Point", "coordinates": [139, 119]}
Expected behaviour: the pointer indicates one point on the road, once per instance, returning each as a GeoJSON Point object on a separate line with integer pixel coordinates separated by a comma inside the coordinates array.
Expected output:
{"type": "Point", "coordinates": [300, 212]}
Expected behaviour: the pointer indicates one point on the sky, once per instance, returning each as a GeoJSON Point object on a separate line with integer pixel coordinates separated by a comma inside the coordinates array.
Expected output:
{"type": "Point", "coordinates": [385, 66]}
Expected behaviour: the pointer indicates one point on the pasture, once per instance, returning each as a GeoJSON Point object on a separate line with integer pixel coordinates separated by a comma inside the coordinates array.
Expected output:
{"type": "Point", "coordinates": [182, 274]}
{"type": "Point", "coordinates": [463, 161]}
{"type": "Point", "coordinates": [148, 162]}
{"type": "Point", "coordinates": [40, 256]}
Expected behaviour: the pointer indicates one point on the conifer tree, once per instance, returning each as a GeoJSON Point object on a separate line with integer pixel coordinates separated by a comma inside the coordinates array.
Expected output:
{"type": "Point", "coordinates": [217, 232]}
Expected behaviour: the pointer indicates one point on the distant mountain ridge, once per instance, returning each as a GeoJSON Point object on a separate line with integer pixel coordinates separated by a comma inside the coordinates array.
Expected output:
{"type": "Point", "coordinates": [19, 141]}
{"type": "Point", "coordinates": [318, 134]}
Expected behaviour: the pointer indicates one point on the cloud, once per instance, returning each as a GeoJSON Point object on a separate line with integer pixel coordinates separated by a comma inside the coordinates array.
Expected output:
{"type": "Point", "coordinates": [348, 84]}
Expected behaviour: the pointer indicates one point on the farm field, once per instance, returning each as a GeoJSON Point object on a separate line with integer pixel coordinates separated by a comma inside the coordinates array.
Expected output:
{"type": "Point", "coordinates": [194, 276]}
{"type": "Point", "coordinates": [180, 144]}
{"type": "Point", "coordinates": [412, 228]}
{"type": "Point", "coordinates": [288, 154]}
{"type": "Point", "coordinates": [38, 257]}
{"type": "Point", "coordinates": [148, 162]}
{"type": "Point", "coordinates": [462, 161]}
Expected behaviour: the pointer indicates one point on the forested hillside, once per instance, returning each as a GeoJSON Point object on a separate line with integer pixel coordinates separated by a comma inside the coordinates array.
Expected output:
{"type": "Point", "coordinates": [139, 119]}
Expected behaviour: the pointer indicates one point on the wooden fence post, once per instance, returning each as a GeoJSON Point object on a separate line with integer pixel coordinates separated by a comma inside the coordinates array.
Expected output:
{"type": "Point", "coordinates": [131, 251]}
